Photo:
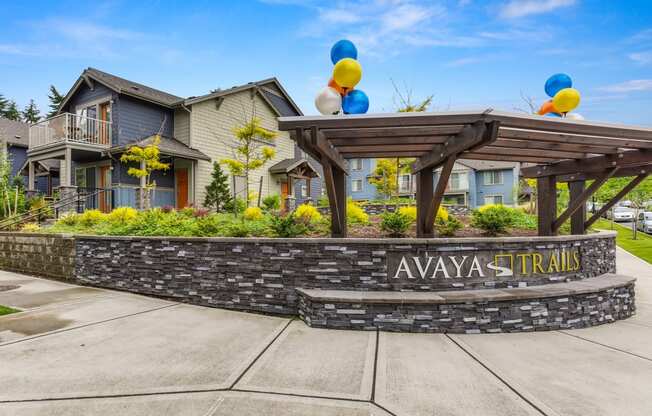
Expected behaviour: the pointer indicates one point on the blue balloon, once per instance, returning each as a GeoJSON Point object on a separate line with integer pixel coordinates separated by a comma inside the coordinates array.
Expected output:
{"type": "Point", "coordinates": [553, 115]}
{"type": "Point", "coordinates": [355, 102]}
{"type": "Point", "coordinates": [556, 83]}
{"type": "Point", "coordinates": [343, 49]}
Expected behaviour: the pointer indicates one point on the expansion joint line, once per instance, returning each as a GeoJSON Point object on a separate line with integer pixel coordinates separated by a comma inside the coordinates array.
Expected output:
{"type": "Point", "coordinates": [606, 346]}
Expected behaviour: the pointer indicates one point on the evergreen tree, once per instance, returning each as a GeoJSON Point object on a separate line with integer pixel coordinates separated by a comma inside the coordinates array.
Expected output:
{"type": "Point", "coordinates": [217, 192]}
{"type": "Point", "coordinates": [55, 101]}
{"type": "Point", "coordinates": [31, 113]}
{"type": "Point", "coordinates": [12, 112]}
{"type": "Point", "coordinates": [4, 103]}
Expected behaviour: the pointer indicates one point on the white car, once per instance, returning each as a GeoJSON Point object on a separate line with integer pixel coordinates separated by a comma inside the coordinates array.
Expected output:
{"type": "Point", "coordinates": [644, 222]}
{"type": "Point", "coordinates": [623, 214]}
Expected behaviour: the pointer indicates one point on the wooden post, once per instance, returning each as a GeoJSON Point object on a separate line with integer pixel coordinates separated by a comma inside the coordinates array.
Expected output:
{"type": "Point", "coordinates": [546, 204]}
{"type": "Point", "coordinates": [631, 185]}
{"type": "Point", "coordinates": [424, 180]}
{"type": "Point", "coordinates": [578, 218]}
{"type": "Point", "coordinates": [335, 182]}
{"type": "Point", "coordinates": [308, 189]}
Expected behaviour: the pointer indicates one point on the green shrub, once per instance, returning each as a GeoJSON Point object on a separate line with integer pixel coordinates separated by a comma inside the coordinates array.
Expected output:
{"type": "Point", "coordinates": [253, 213]}
{"type": "Point", "coordinates": [91, 217]}
{"type": "Point", "coordinates": [395, 223]}
{"type": "Point", "coordinates": [448, 227]}
{"type": "Point", "coordinates": [272, 203]}
{"type": "Point", "coordinates": [238, 229]}
{"type": "Point", "coordinates": [524, 221]}
{"type": "Point", "coordinates": [355, 214]}
{"type": "Point", "coordinates": [30, 227]}
{"type": "Point", "coordinates": [307, 213]}
{"type": "Point", "coordinates": [410, 212]}
{"type": "Point", "coordinates": [239, 204]}
{"type": "Point", "coordinates": [287, 226]}
{"type": "Point", "coordinates": [70, 219]}
{"type": "Point", "coordinates": [493, 219]}
{"type": "Point", "coordinates": [122, 215]}
{"type": "Point", "coordinates": [322, 201]}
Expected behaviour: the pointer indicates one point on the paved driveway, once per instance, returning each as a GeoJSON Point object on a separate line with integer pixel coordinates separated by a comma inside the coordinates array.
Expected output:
{"type": "Point", "coordinates": [81, 351]}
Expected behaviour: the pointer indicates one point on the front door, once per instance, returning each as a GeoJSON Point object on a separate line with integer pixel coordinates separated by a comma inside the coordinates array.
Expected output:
{"type": "Point", "coordinates": [284, 194]}
{"type": "Point", "coordinates": [181, 176]}
{"type": "Point", "coordinates": [105, 123]}
{"type": "Point", "coordinates": [104, 193]}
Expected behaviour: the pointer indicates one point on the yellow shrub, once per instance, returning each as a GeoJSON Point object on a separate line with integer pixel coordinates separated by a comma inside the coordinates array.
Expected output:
{"type": "Point", "coordinates": [68, 219]}
{"type": "Point", "coordinates": [410, 212]}
{"type": "Point", "coordinates": [253, 213]}
{"type": "Point", "coordinates": [30, 227]}
{"type": "Point", "coordinates": [442, 214]}
{"type": "Point", "coordinates": [307, 213]}
{"type": "Point", "coordinates": [355, 214]}
{"type": "Point", "coordinates": [122, 215]}
{"type": "Point", "coordinates": [92, 217]}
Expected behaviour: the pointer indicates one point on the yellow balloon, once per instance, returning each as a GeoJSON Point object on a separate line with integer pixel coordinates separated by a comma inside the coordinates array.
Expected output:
{"type": "Point", "coordinates": [347, 72]}
{"type": "Point", "coordinates": [566, 100]}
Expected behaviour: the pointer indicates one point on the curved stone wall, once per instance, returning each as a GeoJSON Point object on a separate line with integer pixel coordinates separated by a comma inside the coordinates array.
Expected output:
{"type": "Point", "coordinates": [262, 274]}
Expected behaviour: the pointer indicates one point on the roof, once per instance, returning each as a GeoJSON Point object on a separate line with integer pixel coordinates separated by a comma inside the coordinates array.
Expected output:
{"type": "Point", "coordinates": [558, 146]}
{"type": "Point", "coordinates": [289, 165]}
{"type": "Point", "coordinates": [487, 164]}
{"type": "Point", "coordinates": [270, 89]}
{"type": "Point", "coordinates": [13, 132]}
{"type": "Point", "coordinates": [124, 86]}
{"type": "Point", "coordinates": [168, 146]}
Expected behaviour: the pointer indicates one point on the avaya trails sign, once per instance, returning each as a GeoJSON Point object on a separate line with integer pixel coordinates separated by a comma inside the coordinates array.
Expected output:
{"type": "Point", "coordinates": [485, 264]}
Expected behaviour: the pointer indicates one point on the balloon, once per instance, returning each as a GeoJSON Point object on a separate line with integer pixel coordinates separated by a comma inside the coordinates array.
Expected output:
{"type": "Point", "coordinates": [343, 49]}
{"type": "Point", "coordinates": [355, 102]}
{"type": "Point", "coordinates": [556, 83]}
{"type": "Point", "coordinates": [337, 88]}
{"type": "Point", "coordinates": [328, 101]}
{"type": "Point", "coordinates": [547, 107]}
{"type": "Point", "coordinates": [553, 115]}
{"type": "Point", "coordinates": [574, 116]}
{"type": "Point", "coordinates": [347, 72]}
{"type": "Point", "coordinates": [566, 100]}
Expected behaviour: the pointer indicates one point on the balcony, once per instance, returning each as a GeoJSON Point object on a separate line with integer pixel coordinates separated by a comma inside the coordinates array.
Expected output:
{"type": "Point", "coordinates": [70, 128]}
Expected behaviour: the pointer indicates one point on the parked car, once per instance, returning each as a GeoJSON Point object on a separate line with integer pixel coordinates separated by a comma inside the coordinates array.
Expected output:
{"type": "Point", "coordinates": [621, 214]}
{"type": "Point", "coordinates": [644, 222]}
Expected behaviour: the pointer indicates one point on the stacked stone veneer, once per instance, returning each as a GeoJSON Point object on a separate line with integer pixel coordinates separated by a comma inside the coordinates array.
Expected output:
{"type": "Point", "coordinates": [38, 254]}
{"type": "Point", "coordinates": [552, 313]}
{"type": "Point", "coordinates": [262, 274]}
{"type": "Point", "coordinates": [376, 209]}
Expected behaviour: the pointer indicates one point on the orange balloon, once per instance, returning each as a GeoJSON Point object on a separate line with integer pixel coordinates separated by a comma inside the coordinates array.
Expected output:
{"type": "Point", "coordinates": [547, 107]}
{"type": "Point", "coordinates": [342, 90]}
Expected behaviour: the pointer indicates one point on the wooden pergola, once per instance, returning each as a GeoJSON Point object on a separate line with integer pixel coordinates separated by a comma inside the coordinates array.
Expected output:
{"type": "Point", "coordinates": [561, 150]}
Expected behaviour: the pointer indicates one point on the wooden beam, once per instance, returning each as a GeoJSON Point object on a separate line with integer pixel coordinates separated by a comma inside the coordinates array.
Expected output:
{"type": "Point", "coordinates": [620, 195]}
{"type": "Point", "coordinates": [384, 141]}
{"type": "Point", "coordinates": [563, 137]}
{"type": "Point", "coordinates": [546, 205]}
{"type": "Point", "coordinates": [386, 148]}
{"type": "Point", "coordinates": [393, 132]}
{"type": "Point", "coordinates": [424, 200]}
{"type": "Point", "coordinates": [580, 200]}
{"type": "Point", "coordinates": [578, 218]}
{"type": "Point", "coordinates": [380, 154]}
{"type": "Point", "coordinates": [334, 182]}
{"type": "Point", "coordinates": [621, 173]}
{"type": "Point", "coordinates": [442, 182]}
{"type": "Point", "coordinates": [480, 156]}
{"type": "Point", "coordinates": [592, 164]}
{"type": "Point", "coordinates": [391, 120]}
{"type": "Point", "coordinates": [500, 151]}
{"type": "Point", "coordinates": [564, 147]}
{"type": "Point", "coordinates": [469, 137]}
{"type": "Point", "coordinates": [326, 149]}
{"type": "Point", "coordinates": [303, 141]}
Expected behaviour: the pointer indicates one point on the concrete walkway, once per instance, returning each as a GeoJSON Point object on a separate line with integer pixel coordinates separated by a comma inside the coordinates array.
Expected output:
{"type": "Point", "coordinates": [82, 351]}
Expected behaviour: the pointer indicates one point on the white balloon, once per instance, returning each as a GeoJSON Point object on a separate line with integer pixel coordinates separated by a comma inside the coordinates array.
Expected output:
{"type": "Point", "coordinates": [328, 101]}
{"type": "Point", "coordinates": [575, 116]}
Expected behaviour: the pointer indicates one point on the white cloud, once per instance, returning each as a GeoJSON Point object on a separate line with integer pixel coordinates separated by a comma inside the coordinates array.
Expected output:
{"type": "Point", "coordinates": [641, 57]}
{"type": "Point", "coordinates": [629, 86]}
{"type": "Point", "coordinates": [522, 8]}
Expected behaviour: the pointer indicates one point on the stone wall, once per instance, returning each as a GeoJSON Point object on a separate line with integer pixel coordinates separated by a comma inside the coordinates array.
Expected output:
{"type": "Point", "coordinates": [376, 209]}
{"type": "Point", "coordinates": [44, 255]}
{"type": "Point", "coordinates": [262, 274]}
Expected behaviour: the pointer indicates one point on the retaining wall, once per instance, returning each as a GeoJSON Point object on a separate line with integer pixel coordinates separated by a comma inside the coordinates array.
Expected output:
{"type": "Point", "coordinates": [38, 254]}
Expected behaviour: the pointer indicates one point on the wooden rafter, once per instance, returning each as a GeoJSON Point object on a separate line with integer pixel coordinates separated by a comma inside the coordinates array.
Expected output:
{"type": "Point", "coordinates": [591, 164]}
{"type": "Point", "coordinates": [620, 195]}
{"type": "Point", "coordinates": [327, 150]}
{"type": "Point", "coordinates": [621, 173]}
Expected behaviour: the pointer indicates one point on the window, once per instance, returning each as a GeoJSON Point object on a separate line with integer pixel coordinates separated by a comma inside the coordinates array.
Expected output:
{"type": "Point", "coordinates": [493, 177]}
{"type": "Point", "coordinates": [356, 164]}
{"type": "Point", "coordinates": [404, 183]}
{"type": "Point", "coordinates": [80, 177]}
{"type": "Point", "coordinates": [493, 200]}
{"type": "Point", "coordinates": [458, 199]}
{"type": "Point", "coordinates": [356, 185]}
{"type": "Point", "coordinates": [304, 191]}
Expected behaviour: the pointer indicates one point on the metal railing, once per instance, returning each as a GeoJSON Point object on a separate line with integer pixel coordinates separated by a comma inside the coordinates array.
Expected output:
{"type": "Point", "coordinates": [95, 198]}
{"type": "Point", "coordinates": [69, 127]}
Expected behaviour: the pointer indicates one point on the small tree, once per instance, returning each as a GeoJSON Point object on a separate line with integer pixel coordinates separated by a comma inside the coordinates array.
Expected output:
{"type": "Point", "coordinates": [31, 113]}
{"type": "Point", "coordinates": [12, 112]}
{"type": "Point", "coordinates": [384, 177]}
{"type": "Point", "coordinates": [249, 150]}
{"type": "Point", "coordinates": [148, 159]}
{"type": "Point", "coordinates": [217, 192]}
{"type": "Point", "coordinates": [55, 101]}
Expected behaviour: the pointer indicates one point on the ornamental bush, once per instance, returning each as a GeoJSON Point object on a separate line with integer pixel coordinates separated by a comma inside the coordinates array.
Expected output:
{"type": "Point", "coordinates": [30, 227]}
{"type": "Point", "coordinates": [410, 212]}
{"type": "Point", "coordinates": [92, 217]}
{"type": "Point", "coordinates": [272, 203]}
{"type": "Point", "coordinates": [253, 213]}
{"type": "Point", "coordinates": [122, 215]}
{"type": "Point", "coordinates": [287, 226]}
{"type": "Point", "coordinates": [307, 213]}
{"type": "Point", "coordinates": [355, 214]}
{"type": "Point", "coordinates": [395, 224]}
{"type": "Point", "coordinates": [448, 227]}
{"type": "Point", "coordinates": [493, 219]}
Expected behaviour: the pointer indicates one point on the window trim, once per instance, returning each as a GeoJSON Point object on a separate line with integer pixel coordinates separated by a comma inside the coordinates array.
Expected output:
{"type": "Point", "coordinates": [493, 171]}
{"type": "Point", "coordinates": [359, 161]}
{"type": "Point", "coordinates": [502, 199]}
{"type": "Point", "coordinates": [356, 181]}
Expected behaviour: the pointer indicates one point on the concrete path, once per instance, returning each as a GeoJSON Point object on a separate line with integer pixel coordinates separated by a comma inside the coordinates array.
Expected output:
{"type": "Point", "coordinates": [82, 351]}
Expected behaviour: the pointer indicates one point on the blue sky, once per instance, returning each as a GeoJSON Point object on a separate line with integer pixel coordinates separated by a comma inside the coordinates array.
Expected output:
{"type": "Point", "coordinates": [469, 53]}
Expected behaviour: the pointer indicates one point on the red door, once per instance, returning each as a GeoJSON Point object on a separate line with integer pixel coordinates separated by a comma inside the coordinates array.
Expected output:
{"type": "Point", "coordinates": [181, 176]}
{"type": "Point", "coordinates": [284, 194]}
{"type": "Point", "coordinates": [104, 194]}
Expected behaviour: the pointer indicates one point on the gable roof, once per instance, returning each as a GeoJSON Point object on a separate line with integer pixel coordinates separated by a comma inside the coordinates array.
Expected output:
{"type": "Point", "coordinates": [15, 133]}
{"type": "Point", "coordinates": [270, 90]}
{"type": "Point", "coordinates": [168, 146]}
{"type": "Point", "coordinates": [123, 86]}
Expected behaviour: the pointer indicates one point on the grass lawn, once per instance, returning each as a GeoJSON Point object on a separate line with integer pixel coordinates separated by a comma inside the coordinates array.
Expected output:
{"type": "Point", "coordinates": [5, 310]}
{"type": "Point", "coordinates": [641, 247]}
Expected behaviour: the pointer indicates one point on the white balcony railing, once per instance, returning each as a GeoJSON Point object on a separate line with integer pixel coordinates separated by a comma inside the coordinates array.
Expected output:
{"type": "Point", "coordinates": [72, 128]}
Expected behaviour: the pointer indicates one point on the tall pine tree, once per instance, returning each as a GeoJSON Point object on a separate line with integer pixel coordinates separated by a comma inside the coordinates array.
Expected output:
{"type": "Point", "coordinates": [12, 112]}
{"type": "Point", "coordinates": [4, 103]}
{"type": "Point", "coordinates": [217, 192]}
{"type": "Point", "coordinates": [31, 113]}
{"type": "Point", "coordinates": [55, 101]}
